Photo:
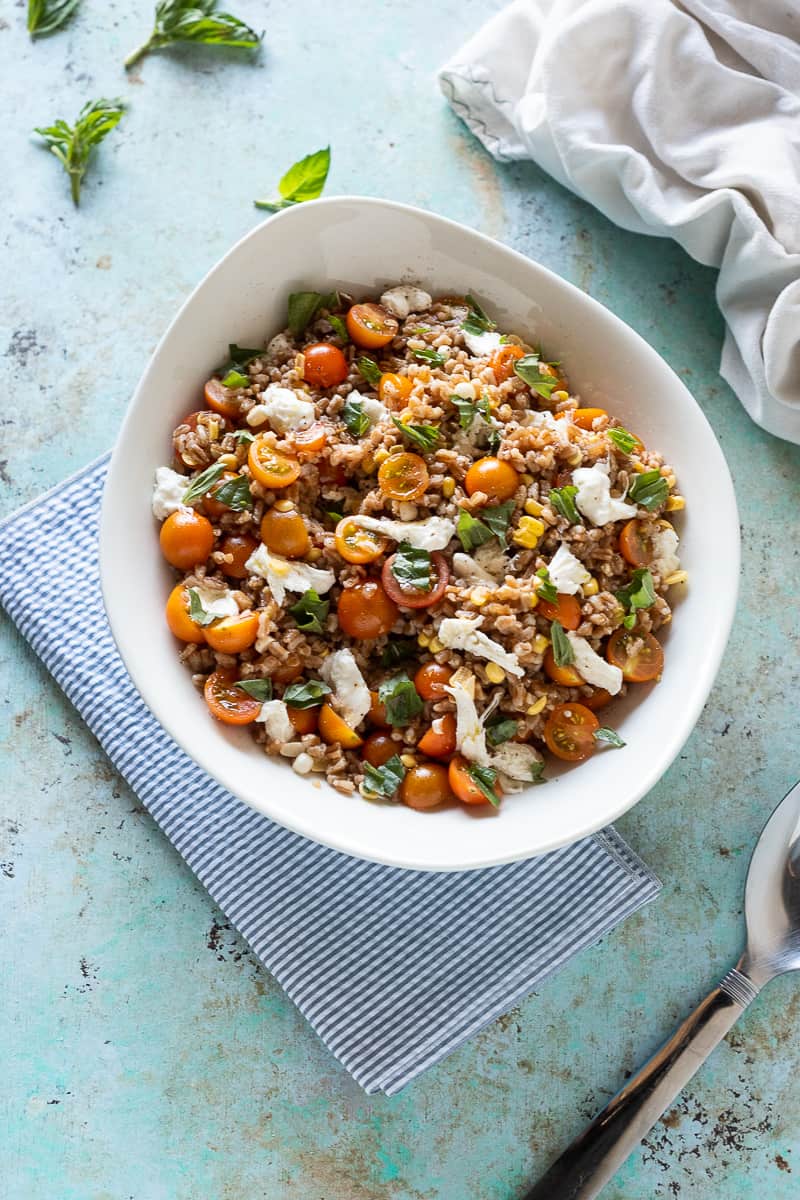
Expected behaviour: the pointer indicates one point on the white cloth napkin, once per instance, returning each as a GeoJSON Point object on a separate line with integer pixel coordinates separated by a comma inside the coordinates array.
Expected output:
{"type": "Point", "coordinates": [674, 119]}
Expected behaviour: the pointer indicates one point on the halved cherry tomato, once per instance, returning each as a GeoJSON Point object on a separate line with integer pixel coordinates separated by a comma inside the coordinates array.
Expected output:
{"type": "Point", "coordinates": [638, 655]}
{"type": "Point", "coordinates": [464, 786]}
{"type": "Point", "coordinates": [365, 611]}
{"type": "Point", "coordinates": [329, 474]}
{"type": "Point", "coordinates": [583, 417]}
{"type": "Point", "coordinates": [403, 476]}
{"type": "Point", "coordinates": [414, 597]}
{"type": "Point", "coordinates": [440, 740]}
{"type": "Point", "coordinates": [392, 389]}
{"type": "Point", "coordinates": [370, 326]}
{"type": "Point", "coordinates": [357, 544]}
{"type": "Point", "coordinates": [634, 546]}
{"type": "Point", "coordinates": [333, 729]}
{"type": "Point", "coordinates": [213, 507]}
{"type": "Point", "coordinates": [378, 748]}
{"type": "Point", "coordinates": [569, 732]}
{"type": "Point", "coordinates": [426, 786]}
{"type": "Point", "coordinates": [599, 698]}
{"type": "Point", "coordinates": [231, 635]}
{"type": "Point", "coordinates": [502, 361]}
{"type": "Point", "coordinates": [377, 711]}
{"type": "Point", "coordinates": [324, 365]}
{"type": "Point", "coordinates": [304, 720]}
{"type": "Point", "coordinates": [285, 532]}
{"type": "Point", "coordinates": [228, 703]}
{"type": "Point", "coordinates": [567, 676]}
{"type": "Point", "coordinates": [290, 669]}
{"type": "Point", "coordinates": [430, 680]}
{"type": "Point", "coordinates": [491, 475]}
{"type": "Point", "coordinates": [312, 440]}
{"type": "Point", "coordinates": [178, 619]}
{"type": "Point", "coordinates": [223, 400]}
{"type": "Point", "coordinates": [566, 610]}
{"type": "Point", "coordinates": [186, 538]}
{"type": "Point", "coordinates": [271, 469]}
{"type": "Point", "coordinates": [240, 546]}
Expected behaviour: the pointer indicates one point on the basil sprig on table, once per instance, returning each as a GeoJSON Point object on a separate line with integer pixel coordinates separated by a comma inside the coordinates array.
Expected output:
{"type": "Point", "coordinates": [384, 780]}
{"type": "Point", "coordinates": [306, 695]}
{"type": "Point", "coordinates": [563, 501]}
{"type": "Point", "coordinates": [310, 612]}
{"type": "Point", "coordinates": [624, 441]}
{"type": "Point", "coordinates": [303, 307]}
{"type": "Point", "coordinates": [493, 522]}
{"type": "Point", "coordinates": [411, 568]}
{"type": "Point", "coordinates": [429, 355]}
{"type": "Point", "coordinates": [476, 321]}
{"type": "Point", "coordinates": [46, 16]}
{"type": "Point", "coordinates": [354, 417]}
{"type": "Point", "coordinates": [529, 369]}
{"type": "Point", "coordinates": [468, 410]}
{"type": "Point", "coordinates": [196, 611]}
{"type": "Point", "coordinates": [639, 593]}
{"type": "Point", "coordinates": [608, 737]}
{"type": "Point", "coordinates": [74, 145]}
{"type": "Point", "coordinates": [563, 653]}
{"type": "Point", "coordinates": [500, 729]}
{"type": "Point", "coordinates": [259, 689]}
{"type": "Point", "coordinates": [546, 589]}
{"type": "Point", "coordinates": [649, 490]}
{"type": "Point", "coordinates": [369, 370]}
{"type": "Point", "coordinates": [235, 494]}
{"type": "Point", "coordinates": [401, 700]}
{"type": "Point", "coordinates": [485, 778]}
{"type": "Point", "coordinates": [305, 180]}
{"type": "Point", "coordinates": [196, 21]}
{"type": "Point", "coordinates": [425, 437]}
{"type": "Point", "coordinates": [200, 485]}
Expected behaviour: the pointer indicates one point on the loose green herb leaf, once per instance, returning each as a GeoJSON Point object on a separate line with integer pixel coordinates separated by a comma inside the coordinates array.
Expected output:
{"type": "Point", "coordinates": [639, 593]}
{"type": "Point", "coordinates": [401, 699]}
{"type": "Point", "coordinates": [471, 531]}
{"type": "Point", "coordinates": [624, 441]}
{"type": "Point", "coordinates": [496, 518]}
{"type": "Point", "coordinates": [430, 356]}
{"type": "Point", "coordinates": [235, 493]}
{"type": "Point", "coordinates": [397, 651]}
{"type": "Point", "coordinates": [546, 589]}
{"type": "Point", "coordinates": [306, 695]}
{"type": "Point", "coordinates": [563, 501]}
{"type": "Point", "coordinates": [239, 358]}
{"type": "Point", "coordinates": [354, 417]}
{"type": "Point", "coordinates": [485, 778]}
{"type": "Point", "coordinates": [305, 306]}
{"type": "Point", "coordinates": [305, 180]}
{"type": "Point", "coordinates": [477, 321]}
{"type": "Point", "coordinates": [260, 689]}
{"type": "Point", "coordinates": [412, 568]}
{"type": "Point", "coordinates": [339, 327]}
{"type": "Point", "coordinates": [424, 436]}
{"type": "Point", "coordinates": [196, 610]}
{"type": "Point", "coordinates": [500, 729]}
{"type": "Point", "coordinates": [468, 410]}
{"type": "Point", "coordinates": [608, 737]}
{"type": "Point", "coordinates": [244, 435]}
{"type": "Point", "coordinates": [310, 612]}
{"type": "Point", "coordinates": [369, 370]}
{"type": "Point", "coordinates": [562, 648]}
{"type": "Point", "coordinates": [73, 145]}
{"type": "Point", "coordinates": [529, 368]}
{"type": "Point", "coordinates": [195, 21]}
{"type": "Point", "coordinates": [336, 517]}
{"type": "Point", "coordinates": [199, 486]}
{"type": "Point", "coordinates": [235, 379]}
{"type": "Point", "coordinates": [385, 780]}
{"type": "Point", "coordinates": [494, 440]}
{"type": "Point", "coordinates": [650, 490]}
{"type": "Point", "coordinates": [537, 773]}
{"type": "Point", "coordinates": [46, 16]}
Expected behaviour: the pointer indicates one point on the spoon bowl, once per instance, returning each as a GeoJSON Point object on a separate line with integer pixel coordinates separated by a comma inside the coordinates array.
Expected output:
{"type": "Point", "coordinates": [772, 896]}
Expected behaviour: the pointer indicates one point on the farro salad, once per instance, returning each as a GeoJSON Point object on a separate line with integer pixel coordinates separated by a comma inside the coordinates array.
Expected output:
{"type": "Point", "coordinates": [408, 557]}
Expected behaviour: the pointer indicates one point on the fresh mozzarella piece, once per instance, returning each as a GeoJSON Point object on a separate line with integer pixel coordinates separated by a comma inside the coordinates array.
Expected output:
{"type": "Point", "coordinates": [516, 760]}
{"type": "Point", "coordinates": [275, 716]}
{"type": "Point", "coordinates": [431, 534]}
{"type": "Point", "coordinates": [592, 668]}
{"type": "Point", "coordinates": [466, 390]}
{"type": "Point", "coordinates": [481, 345]}
{"type": "Point", "coordinates": [283, 575]}
{"type": "Point", "coordinates": [560, 426]}
{"type": "Point", "coordinates": [470, 733]}
{"type": "Point", "coordinates": [665, 542]}
{"type": "Point", "coordinates": [491, 558]}
{"type": "Point", "coordinates": [594, 498]}
{"type": "Point", "coordinates": [351, 695]}
{"type": "Point", "coordinates": [462, 633]}
{"type": "Point", "coordinates": [465, 567]}
{"type": "Point", "coordinates": [372, 408]}
{"type": "Point", "coordinates": [567, 573]}
{"type": "Point", "coordinates": [168, 492]}
{"type": "Point", "coordinates": [286, 409]}
{"type": "Point", "coordinates": [217, 602]}
{"type": "Point", "coordinates": [404, 299]}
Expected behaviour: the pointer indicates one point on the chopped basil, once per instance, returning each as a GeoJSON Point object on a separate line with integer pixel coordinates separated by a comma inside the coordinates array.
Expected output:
{"type": "Point", "coordinates": [563, 653]}
{"type": "Point", "coordinates": [306, 695]}
{"type": "Point", "coordinates": [608, 737]}
{"type": "Point", "coordinates": [196, 610]}
{"type": "Point", "coordinates": [385, 780]}
{"type": "Point", "coordinates": [235, 494]}
{"type": "Point", "coordinates": [310, 612]}
{"type": "Point", "coordinates": [500, 729]}
{"type": "Point", "coordinates": [304, 180]}
{"type": "Point", "coordinates": [563, 501]}
{"type": "Point", "coordinates": [529, 369]}
{"type": "Point", "coordinates": [339, 327]}
{"type": "Point", "coordinates": [429, 355]}
{"type": "Point", "coordinates": [497, 518]}
{"type": "Point", "coordinates": [244, 435]}
{"type": "Point", "coordinates": [260, 689]}
{"type": "Point", "coordinates": [235, 379]}
{"type": "Point", "coordinates": [477, 321]}
{"type": "Point", "coordinates": [494, 440]}
{"type": "Point", "coordinates": [639, 593]}
{"type": "Point", "coordinates": [412, 568]}
{"type": "Point", "coordinates": [468, 410]}
{"type": "Point", "coordinates": [650, 490]}
{"type": "Point", "coordinates": [238, 358]}
{"type": "Point", "coordinates": [424, 436]}
{"type": "Point", "coordinates": [397, 651]}
{"type": "Point", "coordinates": [472, 532]}
{"type": "Point", "coordinates": [336, 517]}
{"type": "Point", "coordinates": [485, 778]}
{"type": "Point", "coordinates": [401, 699]}
{"type": "Point", "coordinates": [546, 589]}
{"type": "Point", "coordinates": [354, 417]}
{"type": "Point", "coordinates": [624, 441]}
{"type": "Point", "coordinates": [369, 370]}
{"type": "Point", "coordinates": [304, 307]}
{"type": "Point", "coordinates": [200, 485]}
{"type": "Point", "coordinates": [537, 773]}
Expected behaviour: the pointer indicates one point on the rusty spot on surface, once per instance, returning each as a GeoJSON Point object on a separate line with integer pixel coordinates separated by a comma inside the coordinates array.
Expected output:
{"type": "Point", "coordinates": [104, 262]}
{"type": "Point", "coordinates": [724, 852]}
{"type": "Point", "coordinates": [782, 1164]}
{"type": "Point", "coordinates": [671, 1119]}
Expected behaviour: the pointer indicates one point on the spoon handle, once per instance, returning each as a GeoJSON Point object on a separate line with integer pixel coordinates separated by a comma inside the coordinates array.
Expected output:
{"type": "Point", "coordinates": [589, 1163]}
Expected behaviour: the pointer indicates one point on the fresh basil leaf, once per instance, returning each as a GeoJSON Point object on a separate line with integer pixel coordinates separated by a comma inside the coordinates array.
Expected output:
{"type": "Point", "coordinates": [412, 568]}
{"type": "Point", "coordinates": [195, 21]}
{"type": "Point", "coordinates": [339, 327]}
{"type": "Point", "coordinates": [303, 307]}
{"type": "Point", "coordinates": [424, 436]}
{"type": "Point", "coordinates": [608, 737]}
{"type": "Point", "coordinates": [529, 369]}
{"type": "Point", "coordinates": [306, 695]}
{"type": "Point", "coordinates": [500, 729]}
{"type": "Point", "coordinates": [497, 518]}
{"type": "Point", "coordinates": [74, 145]}
{"type": "Point", "coordinates": [46, 16]}
{"type": "Point", "coordinates": [368, 369]}
{"type": "Point", "coordinates": [259, 689]}
{"type": "Point", "coordinates": [563, 653]}
{"type": "Point", "coordinates": [336, 517]}
{"type": "Point", "coordinates": [472, 532]}
{"type": "Point", "coordinates": [401, 699]}
{"type": "Point", "coordinates": [398, 650]}
{"type": "Point", "coordinates": [546, 589]}
{"type": "Point", "coordinates": [196, 610]}
{"type": "Point", "coordinates": [477, 321]}
{"type": "Point", "coordinates": [624, 441]}
{"type": "Point", "coordinates": [202, 482]}
{"type": "Point", "coordinates": [494, 440]}
{"type": "Point", "coordinates": [537, 773]}
{"type": "Point", "coordinates": [385, 780]}
{"type": "Point", "coordinates": [629, 621]}
{"type": "Point", "coordinates": [563, 501]}
{"type": "Point", "coordinates": [354, 417]}
{"type": "Point", "coordinates": [235, 379]}
{"type": "Point", "coordinates": [244, 435]}
{"type": "Point", "coordinates": [485, 778]}
{"type": "Point", "coordinates": [305, 180]}
{"type": "Point", "coordinates": [239, 358]}
{"type": "Point", "coordinates": [235, 494]}
{"type": "Point", "coordinates": [429, 355]}
{"type": "Point", "coordinates": [639, 593]}
{"type": "Point", "coordinates": [649, 490]}
{"type": "Point", "coordinates": [310, 612]}
{"type": "Point", "coordinates": [468, 410]}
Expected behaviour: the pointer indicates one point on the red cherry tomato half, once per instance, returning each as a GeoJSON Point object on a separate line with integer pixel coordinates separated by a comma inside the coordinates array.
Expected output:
{"type": "Point", "coordinates": [414, 597]}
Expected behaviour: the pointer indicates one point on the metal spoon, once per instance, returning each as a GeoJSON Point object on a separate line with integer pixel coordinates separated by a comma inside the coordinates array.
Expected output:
{"type": "Point", "coordinates": [772, 914]}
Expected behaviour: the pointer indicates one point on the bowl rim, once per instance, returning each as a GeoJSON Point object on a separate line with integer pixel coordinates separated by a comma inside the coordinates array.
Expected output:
{"type": "Point", "coordinates": [352, 844]}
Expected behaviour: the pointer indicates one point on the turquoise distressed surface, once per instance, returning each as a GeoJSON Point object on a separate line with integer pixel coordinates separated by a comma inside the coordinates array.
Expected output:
{"type": "Point", "coordinates": [145, 1054]}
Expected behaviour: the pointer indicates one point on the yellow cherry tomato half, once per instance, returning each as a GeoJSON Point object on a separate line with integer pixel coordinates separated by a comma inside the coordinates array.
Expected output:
{"type": "Point", "coordinates": [370, 326]}
{"type": "Point", "coordinates": [404, 476]}
{"type": "Point", "coordinates": [357, 544]}
{"type": "Point", "coordinates": [285, 533]}
{"type": "Point", "coordinates": [333, 730]}
{"type": "Point", "coordinates": [271, 469]}
{"type": "Point", "coordinates": [231, 635]}
{"type": "Point", "coordinates": [186, 538]}
{"type": "Point", "coordinates": [497, 479]}
{"type": "Point", "coordinates": [393, 389]}
{"type": "Point", "coordinates": [178, 619]}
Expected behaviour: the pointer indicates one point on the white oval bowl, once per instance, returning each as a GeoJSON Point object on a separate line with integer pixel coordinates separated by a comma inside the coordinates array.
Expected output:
{"type": "Point", "coordinates": [360, 245]}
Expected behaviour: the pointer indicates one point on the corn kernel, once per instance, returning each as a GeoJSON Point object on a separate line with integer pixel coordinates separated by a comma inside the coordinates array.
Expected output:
{"type": "Point", "coordinates": [575, 457]}
{"type": "Point", "coordinates": [434, 645]}
{"type": "Point", "coordinates": [283, 505]}
{"type": "Point", "coordinates": [479, 596]}
{"type": "Point", "coordinates": [537, 707]}
{"type": "Point", "coordinates": [526, 479]}
{"type": "Point", "coordinates": [314, 554]}
{"type": "Point", "coordinates": [423, 639]}
{"type": "Point", "coordinates": [591, 588]}
{"type": "Point", "coordinates": [560, 396]}
{"type": "Point", "coordinates": [448, 487]}
{"type": "Point", "coordinates": [675, 503]}
{"type": "Point", "coordinates": [528, 532]}
{"type": "Point", "coordinates": [228, 460]}
{"type": "Point", "coordinates": [676, 577]}
{"type": "Point", "coordinates": [531, 599]}
{"type": "Point", "coordinates": [540, 643]}
{"type": "Point", "coordinates": [495, 673]}
{"type": "Point", "coordinates": [671, 480]}
{"type": "Point", "coordinates": [533, 508]}
{"type": "Point", "coordinates": [380, 455]}
{"type": "Point", "coordinates": [368, 464]}
{"type": "Point", "coordinates": [408, 760]}
{"type": "Point", "coordinates": [213, 430]}
{"type": "Point", "coordinates": [639, 467]}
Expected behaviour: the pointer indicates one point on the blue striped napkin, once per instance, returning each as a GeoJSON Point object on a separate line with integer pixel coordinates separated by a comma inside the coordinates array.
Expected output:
{"type": "Point", "coordinates": [389, 966]}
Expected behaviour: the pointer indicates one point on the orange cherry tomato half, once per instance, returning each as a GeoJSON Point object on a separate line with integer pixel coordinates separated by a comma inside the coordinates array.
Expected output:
{"type": "Point", "coordinates": [240, 546]}
{"type": "Point", "coordinates": [310, 441]}
{"type": "Point", "coordinates": [290, 669]}
{"type": "Point", "coordinates": [502, 361]}
{"type": "Point", "coordinates": [584, 418]}
{"type": "Point", "coordinates": [324, 365]}
{"type": "Point", "coordinates": [378, 748]}
{"type": "Point", "coordinates": [464, 786]}
{"type": "Point", "coordinates": [285, 533]}
{"type": "Point", "coordinates": [569, 732]}
{"type": "Point", "coordinates": [634, 546]}
{"type": "Point", "coordinates": [392, 389]}
{"type": "Point", "coordinates": [491, 475]}
{"type": "Point", "coordinates": [415, 597]}
{"type": "Point", "coordinates": [186, 538]}
{"type": "Point", "coordinates": [598, 699]}
{"type": "Point", "coordinates": [213, 507]}
{"type": "Point", "coordinates": [271, 469]}
{"type": "Point", "coordinates": [638, 655]}
{"type": "Point", "coordinates": [403, 476]}
{"type": "Point", "coordinates": [440, 740]}
{"type": "Point", "coordinates": [178, 619]}
{"type": "Point", "coordinates": [566, 610]}
{"type": "Point", "coordinates": [431, 679]}
{"type": "Point", "coordinates": [365, 611]}
{"type": "Point", "coordinates": [223, 400]}
{"type": "Point", "coordinates": [567, 676]}
{"type": "Point", "coordinates": [357, 544]}
{"type": "Point", "coordinates": [426, 786]}
{"type": "Point", "coordinates": [333, 729]}
{"type": "Point", "coordinates": [377, 711]}
{"type": "Point", "coordinates": [304, 720]}
{"type": "Point", "coordinates": [228, 703]}
{"type": "Point", "coordinates": [231, 635]}
{"type": "Point", "coordinates": [370, 326]}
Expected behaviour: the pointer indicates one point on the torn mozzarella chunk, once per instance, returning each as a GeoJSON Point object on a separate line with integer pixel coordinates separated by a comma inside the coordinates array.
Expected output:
{"type": "Point", "coordinates": [217, 602]}
{"type": "Point", "coordinates": [284, 575]}
{"type": "Point", "coordinates": [567, 573]}
{"type": "Point", "coordinates": [481, 345]}
{"type": "Point", "coordinates": [592, 668]}
{"type": "Point", "coordinates": [431, 534]}
{"type": "Point", "coordinates": [594, 498]}
{"type": "Point", "coordinates": [168, 492]}
{"type": "Point", "coordinates": [404, 299]}
{"type": "Point", "coordinates": [351, 697]}
{"type": "Point", "coordinates": [465, 567]}
{"type": "Point", "coordinates": [516, 760]}
{"type": "Point", "coordinates": [286, 409]}
{"type": "Point", "coordinates": [664, 541]}
{"type": "Point", "coordinates": [560, 426]}
{"type": "Point", "coordinates": [277, 725]}
{"type": "Point", "coordinates": [470, 733]}
{"type": "Point", "coordinates": [462, 633]}
{"type": "Point", "coordinates": [465, 390]}
{"type": "Point", "coordinates": [373, 410]}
